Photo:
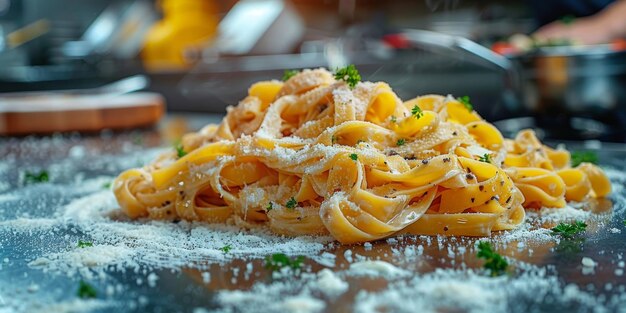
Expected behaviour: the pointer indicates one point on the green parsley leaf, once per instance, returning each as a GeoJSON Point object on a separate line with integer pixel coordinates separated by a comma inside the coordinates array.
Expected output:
{"type": "Point", "coordinates": [84, 244]}
{"type": "Point", "coordinates": [568, 19]}
{"type": "Point", "coordinates": [569, 230]}
{"type": "Point", "coordinates": [400, 142]}
{"type": "Point", "coordinates": [269, 207]}
{"type": "Point", "coordinates": [226, 248]}
{"type": "Point", "coordinates": [292, 203]}
{"type": "Point", "coordinates": [334, 139]}
{"type": "Point", "coordinates": [180, 151]}
{"type": "Point", "coordinates": [34, 178]}
{"type": "Point", "coordinates": [277, 261]}
{"type": "Point", "coordinates": [417, 112]}
{"type": "Point", "coordinates": [495, 263]}
{"type": "Point", "coordinates": [137, 140]}
{"type": "Point", "coordinates": [583, 156]}
{"type": "Point", "coordinates": [624, 222]}
{"type": "Point", "coordinates": [465, 100]}
{"type": "Point", "coordinates": [289, 74]}
{"type": "Point", "coordinates": [354, 156]}
{"type": "Point", "coordinates": [394, 119]}
{"type": "Point", "coordinates": [349, 74]}
{"type": "Point", "coordinates": [485, 158]}
{"type": "Point", "coordinates": [107, 185]}
{"type": "Point", "coordinates": [86, 291]}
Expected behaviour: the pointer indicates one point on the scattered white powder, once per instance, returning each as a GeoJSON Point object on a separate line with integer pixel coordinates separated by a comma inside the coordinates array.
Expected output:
{"type": "Point", "coordinates": [141, 246]}
{"type": "Point", "coordinates": [566, 214]}
{"type": "Point", "coordinates": [367, 246]}
{"type": "Point", "coordinates": [377, 268]}
{"type": "Point", "coordinates": [152, 244]}
{"type": "Point", "coordinates": [286, 294]}
{"type": "Point", "coordinates": [588, 262]}
{"type": "Point", "coordinates": [302, 304]}
{"type": "Point", "coordinates": [467, 291]}
{"type": "Point", "coordinates": [71, 306]}
{"type": "Point", "coordinates": [330, 284]}
{"type": "Point", "coordinates": [526, 233]}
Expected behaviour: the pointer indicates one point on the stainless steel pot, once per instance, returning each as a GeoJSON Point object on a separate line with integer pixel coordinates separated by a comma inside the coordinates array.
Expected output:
{"type": "Point", "coordinates": [572, 81]}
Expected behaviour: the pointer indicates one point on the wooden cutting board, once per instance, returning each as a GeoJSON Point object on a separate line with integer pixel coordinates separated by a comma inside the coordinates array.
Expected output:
{"type": "Point", "coordinates": [43, 113]}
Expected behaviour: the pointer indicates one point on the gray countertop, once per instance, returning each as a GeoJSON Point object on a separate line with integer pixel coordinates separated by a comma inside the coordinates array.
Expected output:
{"type": "Point", "coordinates": [40, 225]}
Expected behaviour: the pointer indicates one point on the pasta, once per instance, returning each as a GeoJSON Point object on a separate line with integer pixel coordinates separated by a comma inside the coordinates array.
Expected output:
{"type": "Point", "coordinates": [313, 155]}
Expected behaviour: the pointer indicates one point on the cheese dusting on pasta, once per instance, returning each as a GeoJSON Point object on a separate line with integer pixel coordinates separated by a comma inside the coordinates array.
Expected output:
{"type": "Point", "coordinates": [313, 155]}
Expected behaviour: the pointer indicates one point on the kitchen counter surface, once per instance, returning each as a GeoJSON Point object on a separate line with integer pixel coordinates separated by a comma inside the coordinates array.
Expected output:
{"type": "Point", "coordinates": [41, 266]}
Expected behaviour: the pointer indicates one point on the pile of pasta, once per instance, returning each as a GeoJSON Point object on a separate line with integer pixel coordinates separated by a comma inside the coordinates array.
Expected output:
{"type": "Point", "coordinates": [313, 155]}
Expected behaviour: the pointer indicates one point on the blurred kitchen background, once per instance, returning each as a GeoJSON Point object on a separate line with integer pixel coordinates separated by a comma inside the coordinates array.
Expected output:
{"type": "Point", "coordinates": [201, 55]}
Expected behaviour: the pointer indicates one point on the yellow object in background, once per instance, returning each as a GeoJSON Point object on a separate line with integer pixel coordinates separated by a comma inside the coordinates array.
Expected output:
{"type": "Point", "coordinates": [177, 40]}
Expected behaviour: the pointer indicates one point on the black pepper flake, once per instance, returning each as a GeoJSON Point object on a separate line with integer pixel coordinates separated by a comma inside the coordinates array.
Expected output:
{"type": "Point", "coordinates": [469, 170]}
{"type": "Point", "coordinates": [502, 183]}
{"type": "Point", "coordinates": [497, 198]}
{"type": "Point", "coordinates": [445, 228]}
{"type": "Point", "coordinates": [487, 202]}
{"type": "Point", "coordinates": [176, 221]}
{"type": "Point", "coordinates": [454, 133]}
{"type": "Point", "coordinates": [425, 161]}
{"type": "Point", "coordinates": [168, 212]}
{"type": "Point", "coordinates": [481, 187]}
{"type": "Point", "coordinates": [508, 199]}
{"type": "Point", "coordinates": [425, 193]}
{"type": "Point", "coordinates": [472, 200]}
{"type": "Point", "coordinates": [392, 152]}
{"type": "Point", "coordinates": [474, 126]}
{"type": "Point", "coordinates": [411, 157]}
{"type": "Point", "coordinates": [181, 192]}
{"type": "Point", "coordinates": [446, 160]}
{"type": "Point", "coordinates": [469, 176]}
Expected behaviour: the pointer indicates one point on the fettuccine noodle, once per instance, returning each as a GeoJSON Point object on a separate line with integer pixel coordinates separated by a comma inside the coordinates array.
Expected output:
{"type": "Point", "coordinates": [314, 156]}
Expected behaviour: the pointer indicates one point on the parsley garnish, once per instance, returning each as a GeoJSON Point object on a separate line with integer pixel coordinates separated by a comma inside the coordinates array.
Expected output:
{"type": "Point", "coordinates": [495, 263]}
{"type": "Point", "coordinates": [349, 74]}
{"type": "Point", "coordinates": [86, 291]}
{"type": "Point", "coordinates": [277, 261]}
{"type": "Point", "coordinates": [289, 74]}
{"type": "Point", "coordinates": [334, 139]}
{"type": "Point", "coordinates": [393, 119]}
{"type": "Point", "coordinates": [583, 156]}
{"type": "Point", "coordinates": [137, 140]}
{"type": "Point", "coordinates": [34, 178]}
{"type": "Point", "coordinates": [226, 248]}
{"type": "Point", "coordinates": [569, 230]}
{"type": "Point", "coordinates": [180, 151]}
{"type": "Point", "coordinates": [106, 185]}
{"type": "Point", "coordinates": [400, 142]}
{"type": "Point", "coordinates": [84, 244]}
{"type": "Point", "coordinates": [354, 156]}
{"type": "Point", "coordinates": [485, 158]}
{"type": "Point", "coordinates": [465, 100]}
{"type": "Point", "coordinates": [417, 112]}
{"type": "Point", "coordinates": [269, 207]}
{"type": "Point", "coordinates": [292, 203]}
